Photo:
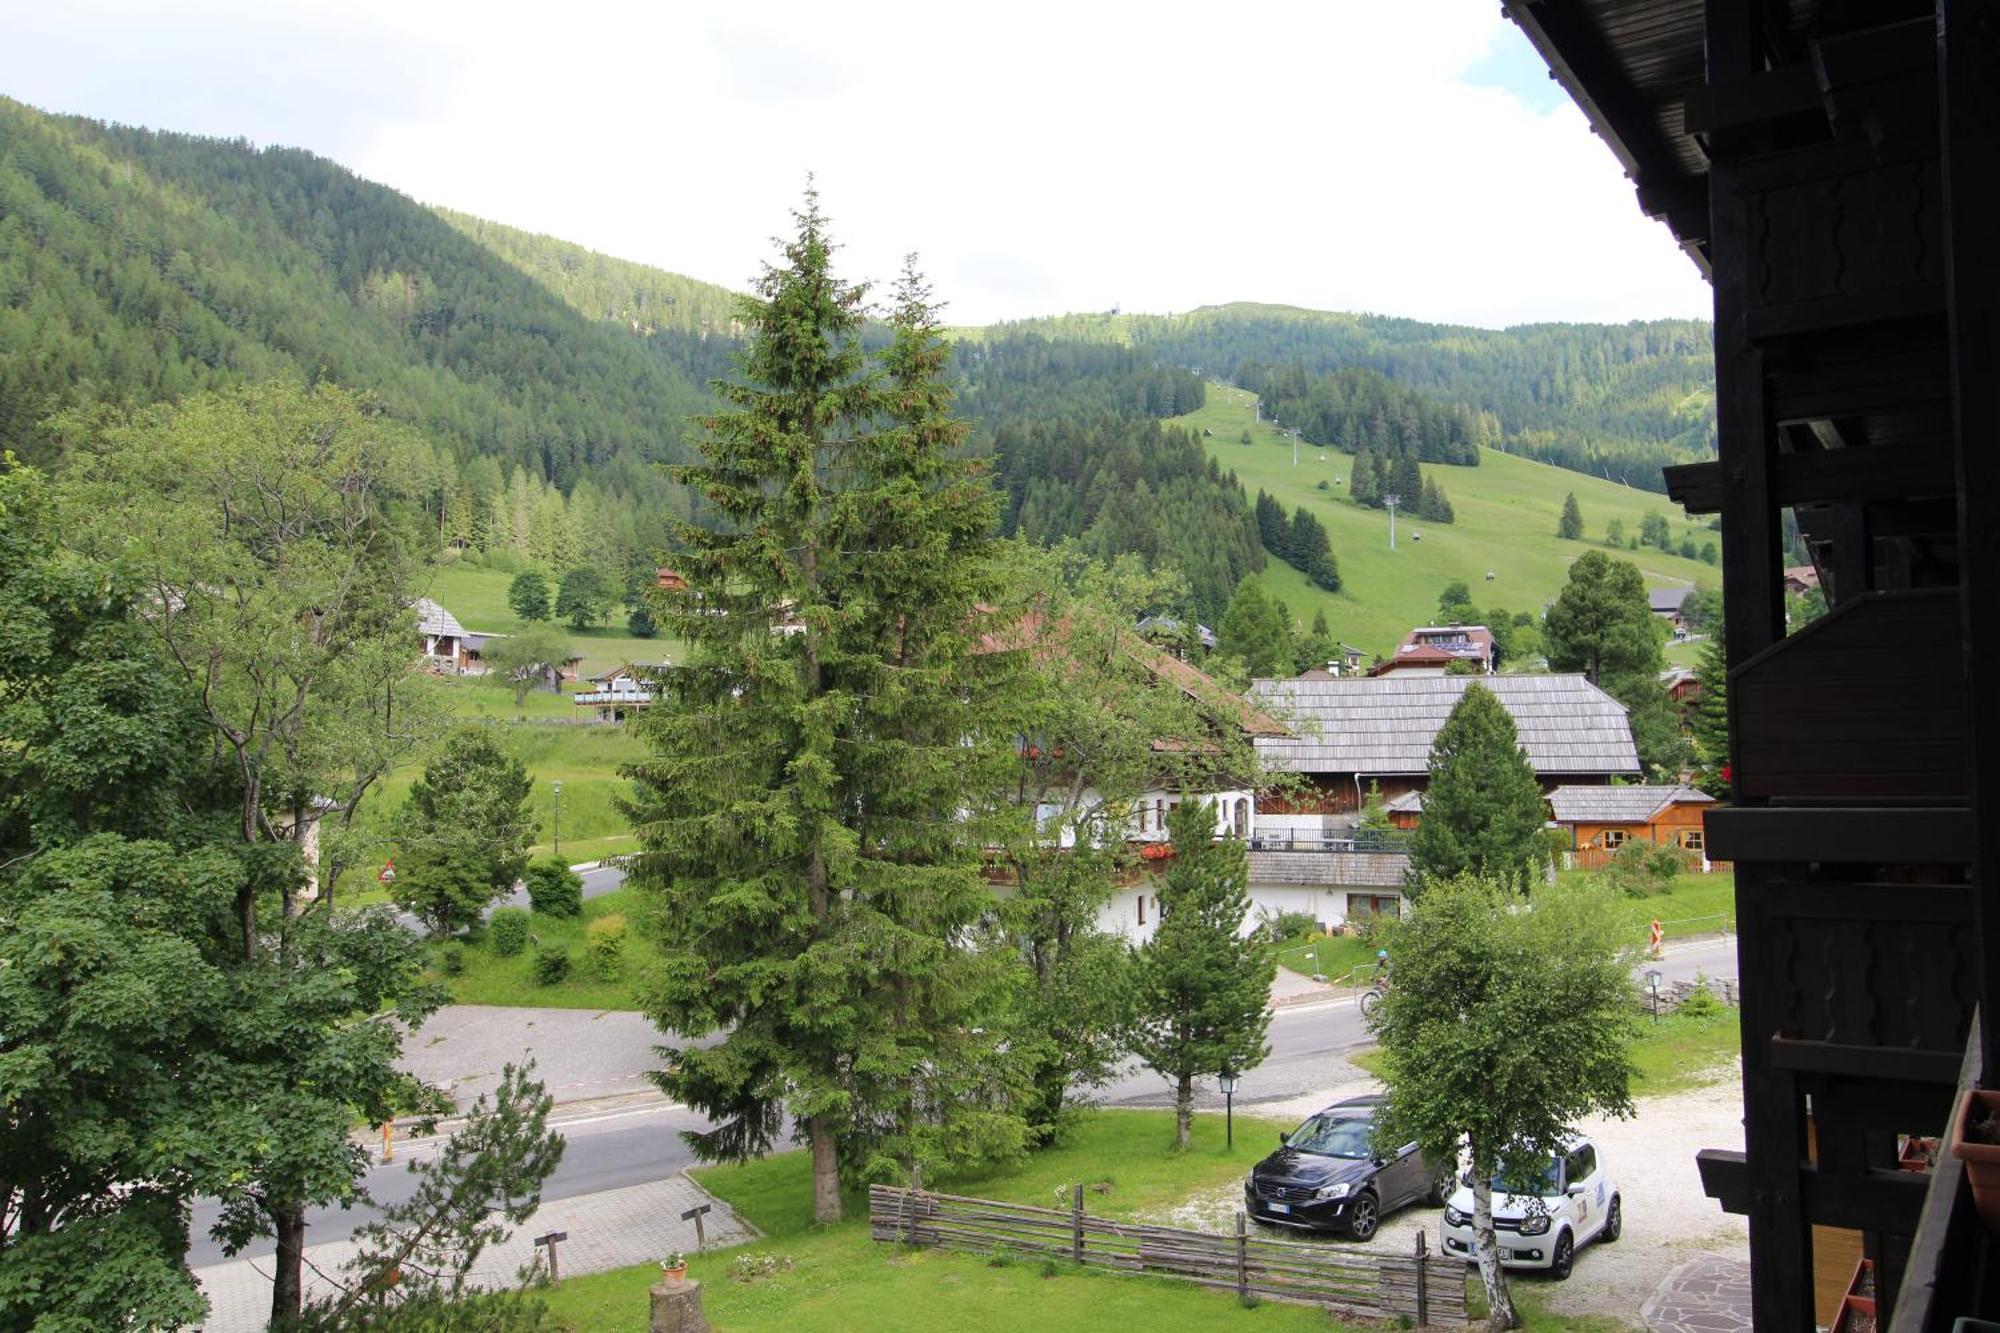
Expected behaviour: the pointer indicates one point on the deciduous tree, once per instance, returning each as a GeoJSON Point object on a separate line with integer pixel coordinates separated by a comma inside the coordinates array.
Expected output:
{"type": "Point", "coordinates": [463, 832]}
{"type": "Point", "coordinates": [522, 661]}
{"type": "Point", "coordinates": [584, 597]}
{"type": "Point", "coordinates": [528, 595]}
{"type": "Point", "coordinates": [1505, 1027]}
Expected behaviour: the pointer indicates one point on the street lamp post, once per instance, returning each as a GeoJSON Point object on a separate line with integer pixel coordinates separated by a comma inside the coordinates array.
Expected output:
{"type": "Point", "coordinates": [1229, 1109]}
{"type": "Point", "coordinates": [557, 787]}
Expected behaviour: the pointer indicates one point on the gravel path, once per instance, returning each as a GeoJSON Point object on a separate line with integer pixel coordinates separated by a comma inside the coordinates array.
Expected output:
{"type": "Point", "coordinates": [1667, 1218]}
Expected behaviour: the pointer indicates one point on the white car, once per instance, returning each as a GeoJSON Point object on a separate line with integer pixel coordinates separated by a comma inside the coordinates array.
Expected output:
{"type": "Point", "coordinates": [1543, 1212]}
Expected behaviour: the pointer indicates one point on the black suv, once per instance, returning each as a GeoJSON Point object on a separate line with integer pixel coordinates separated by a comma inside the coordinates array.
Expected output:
{"type": "Point", "coordinates": [1327, 1176]}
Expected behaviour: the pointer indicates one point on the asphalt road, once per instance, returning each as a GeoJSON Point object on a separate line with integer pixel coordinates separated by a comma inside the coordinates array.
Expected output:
{"type": "Point", "coordinates": [617, 1135]}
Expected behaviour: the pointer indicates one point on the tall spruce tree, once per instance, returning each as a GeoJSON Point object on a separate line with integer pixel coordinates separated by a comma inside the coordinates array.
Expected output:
{"type": "Point", "coordinates": [1483, 808]}
{"type": "Point", "coordinates": [1570, 526]}
{"type": "Point", "coordinates": [1709, 718]}
{"type": "Point", "coordinates": [1200, 987]}
{"type": "Point", "coordinates": [1257, 631]}
{"type": "Point", "coordinates": [794, 813]}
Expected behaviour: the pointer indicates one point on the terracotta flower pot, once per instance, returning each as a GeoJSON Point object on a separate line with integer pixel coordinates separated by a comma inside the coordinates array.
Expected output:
{"type": "Point", "coordinates": [675, 1274]}
{"type": "Point", "coordinates": [1982, 1160]}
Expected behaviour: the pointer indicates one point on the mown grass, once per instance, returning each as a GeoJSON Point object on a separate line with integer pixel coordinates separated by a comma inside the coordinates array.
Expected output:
{"type": "Point", "coordinates": [491, 979]}
{"type": "Point", "coordinates": [1694, 904]}
{"type": "Point", "coordinates": [1679, 1052]}
{"type": "Point", "coordinates": [839, 1279]}
{"type": "Point", "coordinates": [478, 597]}
{"type": "Point", "coordinates": [1507, 509]}
{"type": "Point", "coordinates": [585, 759]}
{"type": "Point", "coordinates": [1332, 956]}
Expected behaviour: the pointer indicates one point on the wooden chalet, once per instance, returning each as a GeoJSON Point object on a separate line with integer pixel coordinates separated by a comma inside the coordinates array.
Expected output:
{"type": "Point", "coordinates": [1430, 650]}
{"type": "Point", "coordinates": [1600, 820]}
{"type": "Point", "coordinates": [1349, 734]}
{"type": "Point", "coordinates": [1831, 167]}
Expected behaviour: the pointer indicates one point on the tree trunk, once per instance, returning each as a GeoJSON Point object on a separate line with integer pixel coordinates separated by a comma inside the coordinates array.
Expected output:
{"type": "Point", "coordinates": [287, 1288]}
{"type": "Point", "coordinates": [826, 1170]}
{"type": "Point", "coordinates": [1502, 1315]}
{"type": "Point", "coordinates": [1183, 1110]}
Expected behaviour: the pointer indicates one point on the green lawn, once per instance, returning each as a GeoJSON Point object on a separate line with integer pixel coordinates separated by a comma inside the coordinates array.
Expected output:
{"type": "Point", "coordinates": [478, 597]}
{"type": "Point", "coordinates": [490, 979]}
{"type": "Point", "coordinates": [1337, 955]}
{"type": "Point", "coordinates": [1679, 1052]}
{"type": "Point", "coordinates": [839, 1279]}
{"type": "Point", "coordinates": [1695, 904]}
{"type": "Point", "coordinates": [1507, 509]}
{"type": "Point", "coordinates": [585, 759]}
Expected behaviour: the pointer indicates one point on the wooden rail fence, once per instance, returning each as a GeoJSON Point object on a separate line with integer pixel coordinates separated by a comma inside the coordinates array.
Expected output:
{"type": "Point", "coordinates": [1378, 1285]}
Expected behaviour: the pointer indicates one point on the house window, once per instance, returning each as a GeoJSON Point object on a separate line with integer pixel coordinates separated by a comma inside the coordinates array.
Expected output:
{"type": "Point", "coordinates": [1614, 838]}
{"type": "Point", "coordinates": [1692, 839]}
{"type": "Point", "coordinates": [1142, 909]}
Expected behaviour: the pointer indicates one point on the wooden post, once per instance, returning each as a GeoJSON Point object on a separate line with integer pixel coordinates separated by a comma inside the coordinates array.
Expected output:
{"type": "Point", "coordinates": [1242, 1258]}
{"type": "Point", "coordinates": [1076, 1224]}
{"type": "Point", "coordinates": [1423, 1294]}
{"type": "Point", "coordinates": [694, 1215]}
{"type": "Point", "coordinates": [550, 1240]}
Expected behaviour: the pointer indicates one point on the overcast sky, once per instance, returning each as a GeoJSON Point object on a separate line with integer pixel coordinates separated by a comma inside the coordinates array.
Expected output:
{"type": "Point", "coordinates": [1410, 158]}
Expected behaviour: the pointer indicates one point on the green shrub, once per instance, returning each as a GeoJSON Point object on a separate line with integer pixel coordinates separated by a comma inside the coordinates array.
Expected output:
{"type": "Point", "coordinates": [1640, 870]}
{"type": "Point", "coordinates": [508, 929]}
{"type": "Point", "coordinates": [604, 943]}
{"type": "Point", "coordinates": [451, 959]}
{"type": "Point", "coordinates": [1292, 925]}
{"type": "Point", "coordinates": [554, 889]}
{"type": "Point", "coordinates": [1701, 1001]}
{"type": "Point", "coordinates": [551, 965]}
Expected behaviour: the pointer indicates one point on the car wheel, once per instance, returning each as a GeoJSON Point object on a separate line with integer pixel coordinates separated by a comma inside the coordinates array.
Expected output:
{"type": "Point", "coordinates": [1364, 1217]}
{"type": "Point", "coordinates": [1614, 1221]}
{"type": "Point", "coordinates": [1563, 1259]}
{"type": "Point", "coordinates": [1442, 1185]}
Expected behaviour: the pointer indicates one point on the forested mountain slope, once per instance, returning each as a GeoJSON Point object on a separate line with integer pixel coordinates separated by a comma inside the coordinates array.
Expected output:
{"type": "Point", "coordinates": [137, 266]}
{"type": "Point", "coordinates": [1618, 401]}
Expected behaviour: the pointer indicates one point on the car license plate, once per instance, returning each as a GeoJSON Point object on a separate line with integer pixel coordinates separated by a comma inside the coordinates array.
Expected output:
{"type": "Point", "coordinates": [1279, 1207]}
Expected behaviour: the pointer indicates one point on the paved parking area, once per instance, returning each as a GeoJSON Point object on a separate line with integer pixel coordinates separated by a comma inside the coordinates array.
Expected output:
{"type": "Point", "coordinates": [609, 1229]}
{"type": "Point", "coordinates": [1708, 1294]}
{"type": "Point", "coordinates": [581, 1054]}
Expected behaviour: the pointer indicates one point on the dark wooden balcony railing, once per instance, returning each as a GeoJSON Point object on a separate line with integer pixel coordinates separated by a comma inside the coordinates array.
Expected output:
{"type": "Point", "coordinates": [1949, 1273]}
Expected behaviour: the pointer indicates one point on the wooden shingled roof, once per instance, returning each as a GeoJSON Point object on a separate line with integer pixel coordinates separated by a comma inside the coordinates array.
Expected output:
{"type": "Point", "coordinates": [1384, 725]}
{"type": "Point", "coordinates": [1620, 805]}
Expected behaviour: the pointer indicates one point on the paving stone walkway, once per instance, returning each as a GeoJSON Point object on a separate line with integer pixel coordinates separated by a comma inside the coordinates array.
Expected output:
{"type": "Point", "coordinates": [1708, 1294]}
{"type": "Point", "coordinates": [609, 1229]}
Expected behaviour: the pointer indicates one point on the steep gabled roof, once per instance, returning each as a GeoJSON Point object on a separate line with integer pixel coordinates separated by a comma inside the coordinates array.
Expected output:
{"type": "Point", "coordinates": [1384, 725]}
{"type": "Point", "coordinates": [432, 618]}
{"type": "Point", "coordinates": [1666, 601]}
{"type": "Point", "coordinates": [1619, 805]}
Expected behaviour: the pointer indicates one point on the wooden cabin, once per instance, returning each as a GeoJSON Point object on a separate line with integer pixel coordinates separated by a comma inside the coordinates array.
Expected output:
{"type": "Point", "coordinates": [1831, 168]}
{"type": "Point", "coordinates": [1601, 820]}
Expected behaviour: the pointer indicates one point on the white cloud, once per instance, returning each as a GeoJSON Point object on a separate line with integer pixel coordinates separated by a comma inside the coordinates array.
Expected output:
{"type": "Point", "coordinates": [1041, 157]}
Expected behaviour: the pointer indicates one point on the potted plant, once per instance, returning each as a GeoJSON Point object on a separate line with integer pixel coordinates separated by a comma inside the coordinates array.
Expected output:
{"type": "Point", "coordinates": [675, 1266]}
{"type": "Point", "coordinates": [1975, 1140]}
{"type": "Point", "coordinates": [1857, 1306]}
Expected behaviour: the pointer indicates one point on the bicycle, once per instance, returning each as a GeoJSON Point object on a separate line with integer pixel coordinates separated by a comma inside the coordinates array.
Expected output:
{"type": "Point", "coordinates": [1373, 996]}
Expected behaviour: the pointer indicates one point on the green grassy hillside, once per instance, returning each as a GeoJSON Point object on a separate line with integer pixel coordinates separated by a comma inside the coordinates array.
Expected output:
{"type": "Point", "coordinates": [478, 597]}
{"type": "Point", "coordinates": [1507, 511]}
